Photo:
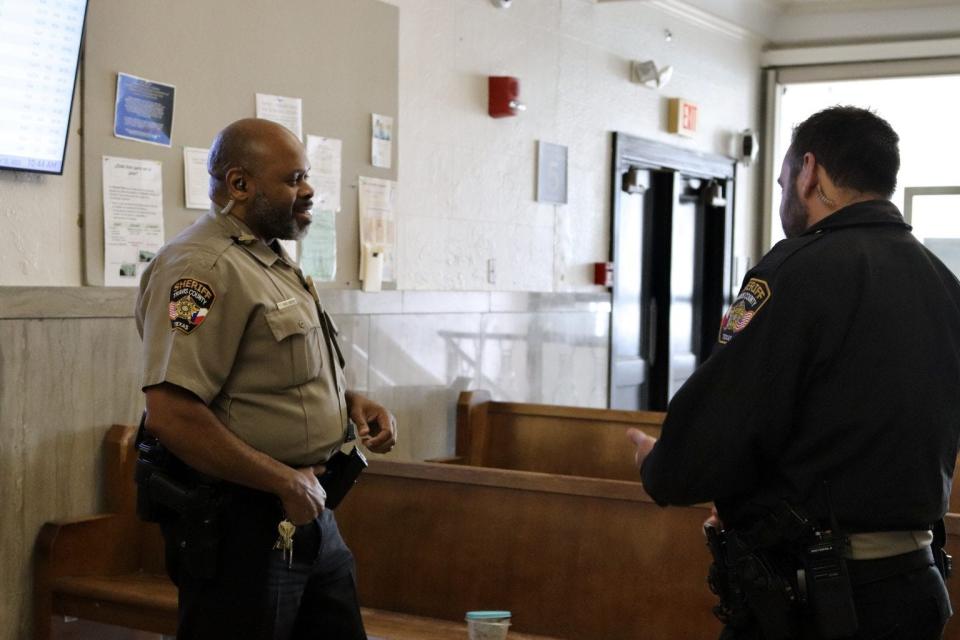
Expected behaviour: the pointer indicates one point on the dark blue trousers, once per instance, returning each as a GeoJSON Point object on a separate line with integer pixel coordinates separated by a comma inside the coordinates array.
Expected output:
{"type": "Point", "coordinates": [254, 593]}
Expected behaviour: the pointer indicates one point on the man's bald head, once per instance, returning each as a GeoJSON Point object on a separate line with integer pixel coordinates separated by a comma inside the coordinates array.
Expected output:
{"type": "Point", "coordinates": [243, 144]}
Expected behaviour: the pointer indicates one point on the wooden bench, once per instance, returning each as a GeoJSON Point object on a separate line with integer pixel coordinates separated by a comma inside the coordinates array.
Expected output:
{"type": "Point", "coordinates": [574, 441]}
{"type": "Point", "coordinates": [108, 568]}
{"type": "Point", "coordinates": [572, 557]}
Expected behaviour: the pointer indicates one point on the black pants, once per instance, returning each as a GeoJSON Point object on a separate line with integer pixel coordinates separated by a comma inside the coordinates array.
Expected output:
{"type": "Point", "coordinates": [913, 605]}
{"type": "Point", "coordinates": [253, 593]}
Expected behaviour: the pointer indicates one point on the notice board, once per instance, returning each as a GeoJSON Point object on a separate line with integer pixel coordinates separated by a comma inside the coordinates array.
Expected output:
{"type": "Point", "coordinates": [338, 56]}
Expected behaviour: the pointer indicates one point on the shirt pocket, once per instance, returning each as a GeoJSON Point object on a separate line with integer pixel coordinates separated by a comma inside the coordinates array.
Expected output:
{"type": "Point", "coordinates": [299, 336]}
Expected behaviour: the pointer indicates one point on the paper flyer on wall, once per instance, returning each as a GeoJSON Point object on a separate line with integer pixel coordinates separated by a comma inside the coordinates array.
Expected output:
{"type": "Point", "coordinates": [378, 227]}
{"type": "Point", "coordinates": [143, 110]}
{"type": "Point", "coordinates": [282, 110]}
{"type": "Point", "coordinates": [381, 141]}
{"type": "Point", "coordinates": [132, 218]}
{"type": "Point", "coordinates": [325, 156]}
{"type": "Point", "coordinates": [196, 180]}
{"type": "Point", "coordinates": [318, 249]}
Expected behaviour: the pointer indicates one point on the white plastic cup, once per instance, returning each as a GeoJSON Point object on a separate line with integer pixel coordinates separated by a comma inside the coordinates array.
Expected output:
{"type": "Point", "coordinates": [487, 630]}
{"type": "Point", "coordinates": [488, 625]}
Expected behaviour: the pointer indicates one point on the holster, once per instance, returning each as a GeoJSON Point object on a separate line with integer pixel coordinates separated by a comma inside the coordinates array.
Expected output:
{"type": "Point", "coordinates": [779, 570]}
{"type": "Point", "coordinates": [169, 492]}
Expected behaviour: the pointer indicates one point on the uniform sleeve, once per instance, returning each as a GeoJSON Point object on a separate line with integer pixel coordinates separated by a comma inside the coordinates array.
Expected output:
{"type": "Point", "coordinates": [191, 328]}
{"type": "Point", "coordinates": [736, 410]}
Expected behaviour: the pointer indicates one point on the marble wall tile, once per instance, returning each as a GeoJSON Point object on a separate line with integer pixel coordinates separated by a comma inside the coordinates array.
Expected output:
{"type": "Point", "coordinates": [62, 383]}
{"type": "Point", "coordinates": [552, 358]}
{"type": "Point", "coordinates": [418, 365]}
{"type": "Point", "coordinates": [354, 341]}
{"type": "Point", "coordinates": [423, 350]}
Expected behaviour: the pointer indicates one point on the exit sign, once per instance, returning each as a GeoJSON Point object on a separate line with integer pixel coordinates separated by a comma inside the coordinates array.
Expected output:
{"type": "Point", "coordinates": [683, 117]}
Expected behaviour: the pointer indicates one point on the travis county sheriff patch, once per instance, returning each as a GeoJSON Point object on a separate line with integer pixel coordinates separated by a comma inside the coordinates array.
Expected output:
{"type": "Point", "coordinates": [753, 296]}
{"type": "Point", "coordinates": [190, 300]}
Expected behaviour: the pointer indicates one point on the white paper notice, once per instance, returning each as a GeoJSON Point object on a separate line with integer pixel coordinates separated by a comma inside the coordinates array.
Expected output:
{"type": "Point", "coordinates": [132, 218]}
{"type": "Point", "coordinates": [318, 249]}
{"type": "Point", "coordinates": [377, 200]}
{"type": "Point", "coordinates": [378, 228]}
{"type": "Point", "coordinates": [196, 180]}
{"type": "Point", "coordinates": [381, 141]}
{"type": "Point", "coordinates": [325, 169]}
{"type": "Point", "coordinates": [282, 110]}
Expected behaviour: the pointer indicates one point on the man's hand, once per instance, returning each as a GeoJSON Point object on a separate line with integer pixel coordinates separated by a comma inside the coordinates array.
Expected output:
{"type": "Point", "coordinates": [376, 427]}
{"type": "Point", "coordinates": [304, 498]}
{"type": "Point", "coordinates": [714, 519]}
{"type": "Point", "coordinates": [643, 442]}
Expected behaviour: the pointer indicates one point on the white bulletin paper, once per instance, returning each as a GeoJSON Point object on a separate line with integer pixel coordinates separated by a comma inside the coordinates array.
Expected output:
{"type": "Point", "coordinates": [378, 229]}
{"type": "Point", "coordinates": [377, 200]}
{"type": "Point", "coordinates": [282, 110]}
{"type": "Point", "coordinates": [132, 218]}
{"type": "Point", "coordinates": [196, 180]}
{"type": "Point", "coordinates": [325, 155]}
{"type": "Point", "coordinates": [318, 249]}
{"type": "Point", "coordinates": [381, 141]}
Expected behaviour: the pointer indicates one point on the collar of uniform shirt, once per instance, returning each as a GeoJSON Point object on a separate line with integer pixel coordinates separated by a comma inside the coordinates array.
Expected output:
{"type": "Point", "coordinates": [241, 235]}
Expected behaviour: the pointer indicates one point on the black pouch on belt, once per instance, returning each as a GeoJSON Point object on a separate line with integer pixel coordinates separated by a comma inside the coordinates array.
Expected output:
{"type": "Point", "coordinates": [342, 472]}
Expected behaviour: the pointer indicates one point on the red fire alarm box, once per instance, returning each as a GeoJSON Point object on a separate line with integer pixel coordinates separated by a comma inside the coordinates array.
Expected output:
{"type": "Point", "coordinates": [504, 97]}
{"type": "Point", "coordinates": [603, 274]}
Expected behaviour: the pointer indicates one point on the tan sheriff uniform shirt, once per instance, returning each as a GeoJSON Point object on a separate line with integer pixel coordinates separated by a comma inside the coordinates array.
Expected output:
{"type": "Point", "coordinates": [222, 315]}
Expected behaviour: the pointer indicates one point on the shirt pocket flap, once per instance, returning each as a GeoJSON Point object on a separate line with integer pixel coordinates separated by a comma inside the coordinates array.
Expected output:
{"type": "Point", "coordinates": [291, 321]}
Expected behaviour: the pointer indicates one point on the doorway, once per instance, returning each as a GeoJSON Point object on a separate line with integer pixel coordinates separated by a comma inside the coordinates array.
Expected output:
{"type": "Point", "coordinates": [671, 246]}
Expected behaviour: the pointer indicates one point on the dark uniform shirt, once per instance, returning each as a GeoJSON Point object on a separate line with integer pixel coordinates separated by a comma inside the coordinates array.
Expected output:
{"type": "Point", "coordinates": [839, 362]}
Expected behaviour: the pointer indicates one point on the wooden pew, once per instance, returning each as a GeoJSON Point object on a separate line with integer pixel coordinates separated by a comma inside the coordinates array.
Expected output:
{"type": "Point", "coordinates": [572, 557]}
{"type": "Point", "coordinates": [108, 568]}
{"type": "Point", "coordinates": [574, 441]}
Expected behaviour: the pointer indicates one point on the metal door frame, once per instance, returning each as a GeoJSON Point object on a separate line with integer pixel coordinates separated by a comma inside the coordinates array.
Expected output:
{"type": "Point", "coordinates": [649, 154]}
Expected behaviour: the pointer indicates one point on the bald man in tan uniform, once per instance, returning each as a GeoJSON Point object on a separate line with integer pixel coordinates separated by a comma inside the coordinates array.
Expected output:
{"type": "Point", "coordinates": [244, 384]}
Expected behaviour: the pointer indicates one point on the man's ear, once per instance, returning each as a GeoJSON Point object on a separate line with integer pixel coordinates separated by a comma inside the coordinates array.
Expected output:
{"type": "Point", "coordinates": [236, 184]}
{"type": "Point", "coordinates": [807, 177]}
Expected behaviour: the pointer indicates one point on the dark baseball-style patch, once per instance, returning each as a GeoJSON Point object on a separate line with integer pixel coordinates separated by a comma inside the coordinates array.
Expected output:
{"type": "Point", "coordinates": [190, 301]}
{"type": "Point", "coordinates": [752, 297]}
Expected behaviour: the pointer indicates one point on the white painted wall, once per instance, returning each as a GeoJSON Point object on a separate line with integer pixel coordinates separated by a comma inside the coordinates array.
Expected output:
{"type": "Point", "coordinates": [467, 181]}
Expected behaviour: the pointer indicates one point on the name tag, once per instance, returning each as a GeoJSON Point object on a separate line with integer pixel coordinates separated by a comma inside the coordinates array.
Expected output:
{"type": "Point", "coordinates": [283, 304]}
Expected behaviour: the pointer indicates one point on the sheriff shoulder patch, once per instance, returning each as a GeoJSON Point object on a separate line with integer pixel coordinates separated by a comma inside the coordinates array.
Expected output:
{"type": "Point", "coordinates": [752, 297]}
{"type": "Point", "coordinates": [190, 301]}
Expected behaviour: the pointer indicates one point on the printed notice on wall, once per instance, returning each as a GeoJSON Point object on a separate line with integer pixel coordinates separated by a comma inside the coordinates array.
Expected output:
{"type": "Point", "coordinates": [196, 180]}
{"type": "Point", "coordinates": [318, 249]}
{"type": "Point", "coordinates": [132, 218]}
{"type": "Point", "coordinates": [325, 156]}
{"type": "Point", "coordinates": [144, 110]}
{"type": "Point", "coordinates": [381, 142]}
{"type": "Point", "coordinates": [378, 229]}
{"type": "Point", "coordinates": [282, 110]}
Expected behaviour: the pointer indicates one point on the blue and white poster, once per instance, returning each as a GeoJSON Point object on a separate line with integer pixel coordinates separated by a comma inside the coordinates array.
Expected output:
{"type": "Point", "coordinates": [144, 110]}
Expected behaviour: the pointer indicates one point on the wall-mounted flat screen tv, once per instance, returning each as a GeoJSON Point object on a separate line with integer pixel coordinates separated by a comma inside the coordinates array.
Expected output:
{"type": "Point", "coordinates": [39, 52]}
